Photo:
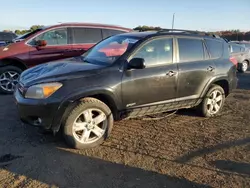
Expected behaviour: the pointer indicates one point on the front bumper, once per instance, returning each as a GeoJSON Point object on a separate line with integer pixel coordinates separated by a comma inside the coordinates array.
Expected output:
{"type": "Point", "coordinates": [36, 112]}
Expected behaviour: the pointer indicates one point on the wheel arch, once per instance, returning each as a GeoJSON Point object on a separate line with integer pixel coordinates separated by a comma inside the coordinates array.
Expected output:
{"type": "Point", "coordinates": [247, 60]}
{"type": "Point", "coordinates": [14, 62]}
{"type": "Point", "coordinates": [104, 95]}
{"type": "Point", "coordinates": [221, 81]}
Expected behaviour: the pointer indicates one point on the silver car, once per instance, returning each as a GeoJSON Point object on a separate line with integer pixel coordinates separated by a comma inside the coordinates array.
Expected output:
{"type": "Point", "coordinates": [242, 55]}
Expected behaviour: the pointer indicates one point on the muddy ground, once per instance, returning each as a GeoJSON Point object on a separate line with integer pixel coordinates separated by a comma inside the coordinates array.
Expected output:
{"type": "Point", "coordinates": [183, 150]}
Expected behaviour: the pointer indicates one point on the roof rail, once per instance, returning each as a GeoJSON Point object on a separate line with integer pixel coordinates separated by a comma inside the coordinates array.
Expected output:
{"type": "Point", "coordinates": [189, 32]}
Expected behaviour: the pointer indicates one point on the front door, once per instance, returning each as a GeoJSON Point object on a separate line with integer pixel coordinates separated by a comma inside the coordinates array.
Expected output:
{"type": "Point", "coordinates": [154, 85]}
{"type": "Point", "coordinates": [57, 47]}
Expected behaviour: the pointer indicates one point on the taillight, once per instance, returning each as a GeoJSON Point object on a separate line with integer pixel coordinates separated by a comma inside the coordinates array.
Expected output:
{"type": "Point", "coordinates": [234, 61]}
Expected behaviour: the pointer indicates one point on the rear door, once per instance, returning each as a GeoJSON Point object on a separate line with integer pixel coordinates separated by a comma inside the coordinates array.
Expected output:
{"type": "Point", "coordinates": [83, 38]}
{"type": "Point", "coordinates": [57, 46]}
{"type": "Point", "coordinates": [195, 69]}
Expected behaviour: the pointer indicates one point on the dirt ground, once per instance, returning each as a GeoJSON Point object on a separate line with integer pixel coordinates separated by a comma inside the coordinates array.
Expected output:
{"type": "Point", "coordinates": [183, 150]}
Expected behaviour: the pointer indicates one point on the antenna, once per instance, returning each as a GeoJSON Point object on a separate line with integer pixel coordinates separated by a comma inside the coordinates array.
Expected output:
{"type": "Point", "coordinates": [173, 21]}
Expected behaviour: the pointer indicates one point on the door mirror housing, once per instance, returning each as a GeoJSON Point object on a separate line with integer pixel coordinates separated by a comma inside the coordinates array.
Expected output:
{"type": "Point", "coordinates": [41, 43]}
{"type": "Point", "coordinates": [136, 63]}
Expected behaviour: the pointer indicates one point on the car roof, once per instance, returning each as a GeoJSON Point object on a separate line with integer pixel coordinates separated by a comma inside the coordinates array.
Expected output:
{"type": "Point", "coordinates": [149, 34]}
{"type": "Point", "coordinates": [85, 24]}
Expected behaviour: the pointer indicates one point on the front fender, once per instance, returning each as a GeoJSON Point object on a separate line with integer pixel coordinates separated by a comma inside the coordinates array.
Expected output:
{"type": "Point", "coordinates": [69, 103]}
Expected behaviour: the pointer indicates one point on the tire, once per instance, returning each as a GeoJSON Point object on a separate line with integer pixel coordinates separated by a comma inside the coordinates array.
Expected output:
{"type": "Point", "coordinates": [243, 67]}
{"type": "Point", "coordinates": [208, 108]}
{"type": "Point", "coordinates": [74, 129]}
{"type": "Point", "coordinates": [9, 76]}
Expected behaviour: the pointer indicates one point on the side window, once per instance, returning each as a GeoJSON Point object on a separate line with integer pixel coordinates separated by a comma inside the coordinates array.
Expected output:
{"type": "Point", "coordinates": [215, 48]}
{"type": "Point", "coordinates": [190, 49]}
{"type": "Point", "coordinates": [53, 37]}
{"type": "Point", "coordinates": [86, 35]}
{"type": "Point", "coordinates": [236, 48]}
{"type": "Point", "coordinates": [108, 32]}
{"type": "Point", "coordinates": [242, 49]}
{"type": "Point", "coordinates": [158, 51]}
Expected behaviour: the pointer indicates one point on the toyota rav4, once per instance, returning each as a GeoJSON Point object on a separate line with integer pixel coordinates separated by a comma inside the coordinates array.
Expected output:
{"type": "Point", "coordinates": [126, 76]}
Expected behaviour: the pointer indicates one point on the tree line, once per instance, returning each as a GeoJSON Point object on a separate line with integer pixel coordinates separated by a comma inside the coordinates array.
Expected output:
{"type": "Point", "coordinates": [21, 32]}
{"type": "Point", "coordinates": [229, 34]}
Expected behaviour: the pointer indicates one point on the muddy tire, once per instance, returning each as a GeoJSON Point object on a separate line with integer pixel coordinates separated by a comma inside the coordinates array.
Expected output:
{"type": "Point", "coordinates": [88, 125]}
{"type": "Point", "coordinates": [213, 102]}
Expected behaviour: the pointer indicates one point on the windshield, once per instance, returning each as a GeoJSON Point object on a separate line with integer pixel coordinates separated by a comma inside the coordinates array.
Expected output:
{"type": "Point", "coordinates": [109, 50]}
{"type": "Point", "coordinates": [26, 35]}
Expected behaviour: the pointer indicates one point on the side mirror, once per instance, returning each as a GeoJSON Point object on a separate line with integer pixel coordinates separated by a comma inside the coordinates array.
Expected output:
{"type": "Point", "coordinates": [41, 43]}
{"type": "Point", "coordinates": [136, 63]}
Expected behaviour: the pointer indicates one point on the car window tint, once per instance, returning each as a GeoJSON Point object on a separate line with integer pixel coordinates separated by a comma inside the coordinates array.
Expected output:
{"type": "Point", "coordinates": [158, 51]}
{"type": "Point", "coordinates": [190, 49]}
{"type": "Point", "coordinates": [109, 32]}
{"type": "Point", "coordinates": [215, 48]}
{"type": "Point", "coordinates": [86, 35]}
{"type": "Point", "coordinates": [236, 48]}
{"type": "Point", "coordinates": [54, 37]}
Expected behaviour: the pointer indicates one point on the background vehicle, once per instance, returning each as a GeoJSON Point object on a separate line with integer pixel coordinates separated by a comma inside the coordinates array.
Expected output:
{"type": "Point", "coordinates": [246, 44]}
{"type": "Point", "coordinates": [242, 55]}
{"type": "Point", "coordinates": [49, 44]}
{"type": "Point", "coordinates": [127, 75]}
{"type": "Point", "coordinates": [6, 37]}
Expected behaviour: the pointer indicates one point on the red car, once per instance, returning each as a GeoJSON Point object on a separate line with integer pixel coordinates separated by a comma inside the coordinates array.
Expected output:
{"type": "Point", "coordinates": [49, 44]}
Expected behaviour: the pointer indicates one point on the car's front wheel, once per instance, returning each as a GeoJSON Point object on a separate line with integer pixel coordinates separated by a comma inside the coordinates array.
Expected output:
{"type": "Point", "coordinates": [213, 102]}
{"type": "Point", "coordinates": [9, 76]}
{"type": "Point", "coordinates": [88, 125]}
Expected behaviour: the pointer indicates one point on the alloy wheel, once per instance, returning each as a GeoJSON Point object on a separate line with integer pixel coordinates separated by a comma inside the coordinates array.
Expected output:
{"type": "Point", "coordinates": [90, 126]}
{"type": "Point", "coordinates": [244, 66]}
{"type": "Point", "coordinates": [8, 80]}
{"type": "Point", "coordinates": [214, 102]}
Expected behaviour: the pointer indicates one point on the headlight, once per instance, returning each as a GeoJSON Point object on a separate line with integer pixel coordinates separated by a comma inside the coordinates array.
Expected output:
{"type": "Point", "coordinates": [42, 91]}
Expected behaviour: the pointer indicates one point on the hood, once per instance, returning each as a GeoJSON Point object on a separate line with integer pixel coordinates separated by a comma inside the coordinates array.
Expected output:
{"type": "Point", "coordinates": [55, 71]}
{"type": "Point", "coordinates": [12, 49]}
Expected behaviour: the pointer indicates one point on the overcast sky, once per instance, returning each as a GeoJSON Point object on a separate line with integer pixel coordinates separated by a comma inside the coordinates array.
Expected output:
{"type": "Point", "coordinates": [196, 14]}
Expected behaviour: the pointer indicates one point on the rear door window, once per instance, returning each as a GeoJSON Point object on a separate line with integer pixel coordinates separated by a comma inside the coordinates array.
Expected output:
{"type": "Point", "coordinates": [236, 48]}
{"type": "Point", "coordinates": [86, 35]}
{"type": "Point", "coordinates": [190, 49]}
{"type": "Point", "coordinates": [109, 32]}
{"type": "Point", "coordinates": [215, 48]}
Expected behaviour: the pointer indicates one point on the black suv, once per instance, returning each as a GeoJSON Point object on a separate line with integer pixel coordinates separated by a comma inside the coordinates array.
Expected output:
{"type": "Point", "coordinates": [123, 76]}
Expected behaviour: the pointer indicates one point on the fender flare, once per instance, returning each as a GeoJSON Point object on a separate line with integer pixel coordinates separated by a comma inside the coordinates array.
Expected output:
{"type": "Point", "coordinates": [70, 102]}
{"type": "Point", "coordinates": [208, 85]}
{"type": "Point", "coordinates": [7, 61]}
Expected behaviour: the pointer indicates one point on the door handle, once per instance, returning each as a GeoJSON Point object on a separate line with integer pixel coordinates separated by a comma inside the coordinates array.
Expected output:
{"type": "Point", "coordinates": [171, 73]}
{"type": "Point", "coordinates": [210, 68]}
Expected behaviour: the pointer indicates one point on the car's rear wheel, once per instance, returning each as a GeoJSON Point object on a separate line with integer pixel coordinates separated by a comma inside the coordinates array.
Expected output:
{"type": "Point", "coordinates": [213, 102]}
{"type": "Point", "coordinates": [9, 76]}
{"type": "Point", "coordinates": [243, 67]}
{"type": "Point", "coordinates": [88, 125]}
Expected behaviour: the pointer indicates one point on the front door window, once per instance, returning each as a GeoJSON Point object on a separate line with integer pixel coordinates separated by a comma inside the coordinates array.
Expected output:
{"type": "Point", "coordinates": [53, 37]}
